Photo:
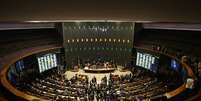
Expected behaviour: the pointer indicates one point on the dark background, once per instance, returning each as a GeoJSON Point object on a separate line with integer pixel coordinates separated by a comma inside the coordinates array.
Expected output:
{"type": "Point", "coordinates": [135, 10]}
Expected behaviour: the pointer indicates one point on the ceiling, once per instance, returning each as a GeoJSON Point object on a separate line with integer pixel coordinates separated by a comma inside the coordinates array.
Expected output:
{"type": "Point", "coordinates": [188, 11]}
{"type": "Point", "coordinates": [15, 26]}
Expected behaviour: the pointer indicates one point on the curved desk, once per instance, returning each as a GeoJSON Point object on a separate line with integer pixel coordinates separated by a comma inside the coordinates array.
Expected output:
{"type": "Point", "coordinates": [104, 70]}
{"type": "Point", "coordinates": [12, 58]}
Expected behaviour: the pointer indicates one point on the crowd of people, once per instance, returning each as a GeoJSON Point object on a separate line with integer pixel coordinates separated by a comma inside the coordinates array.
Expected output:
{"type": "Point", "coordinates": [190, 58]}
{"type": "Point", "coordinates": [79, 88]}
{"type": "Point", "coordinates": [100, 65]}
{"type": "Point", "coordinates": [95, 64]}
{"type": "Point", "coordinates": [139, 84]}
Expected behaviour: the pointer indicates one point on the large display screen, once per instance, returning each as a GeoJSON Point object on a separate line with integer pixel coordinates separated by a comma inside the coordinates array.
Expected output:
{"type": "Point", "coordinates": [47, 62]}
{"type": "Point", "coordinates": [147, 61]}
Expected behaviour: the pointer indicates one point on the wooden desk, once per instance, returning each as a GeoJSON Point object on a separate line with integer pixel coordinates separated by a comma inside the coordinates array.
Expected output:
{"type": "Point", "coordinates": [104, 70]}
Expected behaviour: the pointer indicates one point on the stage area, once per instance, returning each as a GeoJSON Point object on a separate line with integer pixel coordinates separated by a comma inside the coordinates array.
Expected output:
{"type": "Point", "coordinates": [99, 76]}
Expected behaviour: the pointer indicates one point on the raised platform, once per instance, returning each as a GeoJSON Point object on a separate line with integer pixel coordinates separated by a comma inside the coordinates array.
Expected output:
{"type": "Point", "coordinates": [104, 70]}
{"type": "Point", "coordinates": [99, 76]}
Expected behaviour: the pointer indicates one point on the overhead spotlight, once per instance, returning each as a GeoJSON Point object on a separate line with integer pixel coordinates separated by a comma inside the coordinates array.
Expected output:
{"type": "Point", "coordinates": [114, 40]}
{"type": "Point", "coordinates": [110, 40]}
{"type": "Point", "coordinates": [100, 40]}
{"type": "Point", "coordinates": [128, 41]}
{"type": "Point", "coordinates": [119, 40]}
{"type": "Point", "coordinates": [123, 41]}
{"type": "Point", "coordinates": [68, 41]}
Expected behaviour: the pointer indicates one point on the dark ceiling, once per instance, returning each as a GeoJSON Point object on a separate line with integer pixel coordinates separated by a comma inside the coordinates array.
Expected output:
{"type": "Point", "coordinates": [188, 11]}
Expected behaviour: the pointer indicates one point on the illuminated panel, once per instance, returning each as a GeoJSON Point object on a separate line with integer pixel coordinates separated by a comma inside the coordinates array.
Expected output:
{"type": "Point", "coordinates": [46, 62]}
{"type": "Point", "coordinates": [147, 61]}
{"type": "Point", "coordinates": [39, 64]}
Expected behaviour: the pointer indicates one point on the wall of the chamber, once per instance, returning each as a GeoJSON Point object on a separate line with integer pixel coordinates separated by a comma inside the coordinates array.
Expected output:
{"type": "Point", "coordinates": [94, 40]}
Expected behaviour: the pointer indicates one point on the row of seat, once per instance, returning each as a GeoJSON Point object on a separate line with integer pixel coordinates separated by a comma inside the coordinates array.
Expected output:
{"type": "Point", "coordinates": [55, 86]}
